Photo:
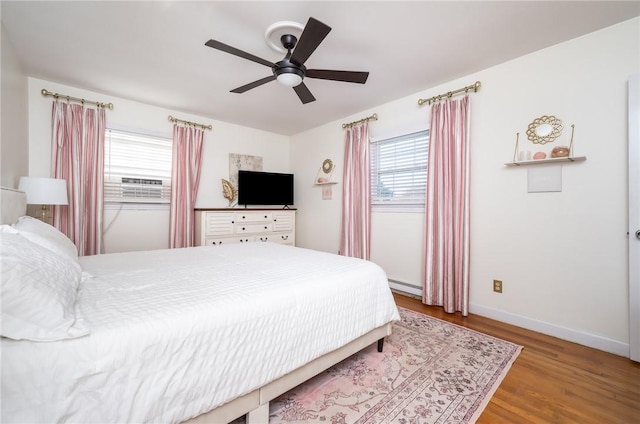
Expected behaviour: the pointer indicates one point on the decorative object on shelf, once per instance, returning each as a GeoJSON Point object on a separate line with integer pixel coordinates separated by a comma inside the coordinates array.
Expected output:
{"type": "Point", "coordinates": [323, 178]}
{"type": "Point", "coordinates": [544, 130]}
{"type": "Point", "coordinates": [325, 172]}
{"type": "Point", "coordinates": [229, 191]}
{"type": "Point", "coordinates": [524, 155]}
{"type": "Point", "coordinates": [560, 152]}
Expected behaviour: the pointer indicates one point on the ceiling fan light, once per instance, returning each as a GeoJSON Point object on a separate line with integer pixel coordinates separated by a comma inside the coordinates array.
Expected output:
{"type": "Point", "coordinates": [289, 79]}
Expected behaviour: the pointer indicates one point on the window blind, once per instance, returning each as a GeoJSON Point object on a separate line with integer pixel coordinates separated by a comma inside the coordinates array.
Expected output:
{"type": "Point", "coordinates": [399, 169]}
{"type": "Point", "coordinates": [137, 168]}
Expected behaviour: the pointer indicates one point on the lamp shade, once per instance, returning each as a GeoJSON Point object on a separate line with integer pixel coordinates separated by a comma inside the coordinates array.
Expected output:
{"type": "Point", "coordinates": [44, 191]}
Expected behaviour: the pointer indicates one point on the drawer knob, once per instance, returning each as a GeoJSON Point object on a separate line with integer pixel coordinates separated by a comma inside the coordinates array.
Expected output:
{"type": "Point", "coordinates": [265, 227]}
{"type": "Point", "coordinates": [233, 222]}
{"type": "Point", "coordinates": [284, 237]}
{"type": "Point", "coordinates": [242, 228]}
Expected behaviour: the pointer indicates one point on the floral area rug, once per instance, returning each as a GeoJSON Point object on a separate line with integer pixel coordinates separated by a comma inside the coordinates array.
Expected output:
{"type": "Point", "coordinates": [430, 371]}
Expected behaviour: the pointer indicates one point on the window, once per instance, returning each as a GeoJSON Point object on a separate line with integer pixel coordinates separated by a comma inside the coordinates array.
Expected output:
{"type": "Point", "coordinates": [399, 169]}
{"type": "Point", "coordinates": [137, 168]}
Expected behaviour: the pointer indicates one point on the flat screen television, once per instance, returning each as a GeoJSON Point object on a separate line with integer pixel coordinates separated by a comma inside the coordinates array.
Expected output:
{"type": "Point", "coordinates": [264, 188]}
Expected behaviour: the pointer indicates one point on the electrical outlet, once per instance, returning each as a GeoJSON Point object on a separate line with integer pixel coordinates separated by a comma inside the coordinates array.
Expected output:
{"type": "Point", "coordinates": [497, 286]}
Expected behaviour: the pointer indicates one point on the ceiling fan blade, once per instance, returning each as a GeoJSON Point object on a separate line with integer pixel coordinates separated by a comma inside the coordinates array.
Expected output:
{"type": "Point", "coordinates": [237, 52]}
{"type": "Point", "coordinates": [303, 92]}
{"type": "Point", "coordinates": [254, 84]}
{"type": "Point", "coordinates": [312, 35]}
{"type": "Point", "coordinates": [346, 76]}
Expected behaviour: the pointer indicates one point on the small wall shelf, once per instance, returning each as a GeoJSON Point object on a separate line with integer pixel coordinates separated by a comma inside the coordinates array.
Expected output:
{"type": "Point", "coordinates": [547, 161]}
{"type": "Point", "coordinates": [327, 183]}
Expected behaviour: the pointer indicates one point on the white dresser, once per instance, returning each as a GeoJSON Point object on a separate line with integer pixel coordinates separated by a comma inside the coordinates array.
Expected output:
{"type": "Point", "coordinates": [221, 226]}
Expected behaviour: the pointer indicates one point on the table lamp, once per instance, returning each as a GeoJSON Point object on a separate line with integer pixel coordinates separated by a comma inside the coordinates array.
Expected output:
{"type": "Point", "coordinates": [44, 191]}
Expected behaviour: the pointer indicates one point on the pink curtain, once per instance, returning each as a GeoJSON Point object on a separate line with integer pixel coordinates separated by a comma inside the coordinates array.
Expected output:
{"type": "Point", "coordinates": [446, 279]}
{"type": "Point", "coordinates": [356, 194]}
{"type": "Point", "coordinates": [77, 156]}
{"type": "Point", "coordinates": [185, 177]}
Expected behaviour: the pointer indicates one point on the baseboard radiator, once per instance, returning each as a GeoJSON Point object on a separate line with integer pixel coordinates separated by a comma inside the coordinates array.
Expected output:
{"type": "Point", "coordinates": [405, 288]}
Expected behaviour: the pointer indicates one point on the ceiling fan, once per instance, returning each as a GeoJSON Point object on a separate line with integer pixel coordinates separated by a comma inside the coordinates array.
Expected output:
{"type": "Point", "coordinates": [290, 71]}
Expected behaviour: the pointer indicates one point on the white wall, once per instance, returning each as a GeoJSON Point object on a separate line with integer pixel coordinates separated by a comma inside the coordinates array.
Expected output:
{"type": "Point", "coordinates": [149, 229]}
{"type": "Point", "coordinates": [13, 116]}
{"type": "Point", "coordinates": [562, 256]}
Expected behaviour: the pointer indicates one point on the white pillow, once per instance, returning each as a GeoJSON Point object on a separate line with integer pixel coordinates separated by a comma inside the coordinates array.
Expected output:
{"type": "Point", "coordinates": [46, 236]}
{"type": "Point", "coordinates": [39, 292]}
{"type": "Point", "coordinates": [6, 228]}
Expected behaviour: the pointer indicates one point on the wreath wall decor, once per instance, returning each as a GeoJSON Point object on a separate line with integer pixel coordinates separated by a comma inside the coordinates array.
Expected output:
{"type": "Point", "coordinates": [544, 129]}
{"type": "Point", "coordinates": [324, 173]}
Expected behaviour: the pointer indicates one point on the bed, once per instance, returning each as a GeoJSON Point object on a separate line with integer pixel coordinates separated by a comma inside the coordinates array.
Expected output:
{"type": "Point", "coordinates": [199, 334]}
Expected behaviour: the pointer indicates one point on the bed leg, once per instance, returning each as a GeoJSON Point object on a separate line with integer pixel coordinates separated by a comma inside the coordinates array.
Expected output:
{"type": "Point", "coordinates": [380, 344]}
{"type": "Point", "coordinates": [260, 415]}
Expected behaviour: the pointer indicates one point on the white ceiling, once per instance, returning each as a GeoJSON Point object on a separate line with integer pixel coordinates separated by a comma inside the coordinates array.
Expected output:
{"type": "Point", "coordinates": [154, 52]}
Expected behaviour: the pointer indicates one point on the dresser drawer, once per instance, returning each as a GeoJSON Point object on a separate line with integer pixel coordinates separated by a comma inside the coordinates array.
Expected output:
{"type": "Point", "coordinates": [281, 238]}
{"type": "Point", "coordinates": [258, 216]}
{"type": "Point", "coordinates": [243, 228]}
{"type": "Point", "coordinates": [212, 241]}
{"type": "Point", "coordinates": [215, 241]}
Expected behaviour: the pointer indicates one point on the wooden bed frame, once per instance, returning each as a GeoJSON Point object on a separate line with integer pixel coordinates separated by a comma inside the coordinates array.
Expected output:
{"type": "Point", "coordinates": [255, 404]}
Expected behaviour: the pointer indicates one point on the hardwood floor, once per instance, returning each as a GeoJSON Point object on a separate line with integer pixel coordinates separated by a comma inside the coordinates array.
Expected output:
{"type": "Point", "coordinates": [552, 380]}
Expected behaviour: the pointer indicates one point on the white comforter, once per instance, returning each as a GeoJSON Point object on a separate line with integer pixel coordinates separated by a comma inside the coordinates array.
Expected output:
{"type": "Point", "coordinates": [175, 333]}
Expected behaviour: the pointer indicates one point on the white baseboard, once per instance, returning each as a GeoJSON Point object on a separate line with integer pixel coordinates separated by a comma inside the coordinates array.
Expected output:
{"type": "Point", "coordinates": [569, 334]}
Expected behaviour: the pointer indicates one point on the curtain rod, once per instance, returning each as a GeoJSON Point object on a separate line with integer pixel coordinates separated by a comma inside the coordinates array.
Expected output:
{"type": "Point", "coordinates": [373, 117]}
{"type": "Point", "coordinates": [450, 94]}
{"type": "Point", "coordinates": [46, 92]}
{"type": "Point", "coordinates": [195, 124]}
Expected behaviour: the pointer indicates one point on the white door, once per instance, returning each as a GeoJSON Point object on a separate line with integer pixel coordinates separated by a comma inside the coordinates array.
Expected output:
{"type": "Point", "coordinates": [634, 218]}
